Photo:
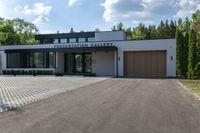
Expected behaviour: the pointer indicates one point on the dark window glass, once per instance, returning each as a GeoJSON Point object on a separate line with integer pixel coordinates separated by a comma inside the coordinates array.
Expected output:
{"type": "Point", "coordinates": [13, 60]}
{"type": "Point", "coordinates": [45, 65]}
{"type": "Point", "coordinates": [88, 63]}
{"type": "Point", "coordinates": [31, 60]}
{"type": "Point", "coordinates": [38, 60]}
{"type": "Point", "coordinates": [78, 63]}
{"type": "Point", "coordinates": [51, 60]}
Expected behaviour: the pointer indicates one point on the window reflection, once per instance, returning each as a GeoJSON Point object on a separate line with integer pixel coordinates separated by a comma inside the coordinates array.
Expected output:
{"type": "Point", "coordinates": [31, 60]}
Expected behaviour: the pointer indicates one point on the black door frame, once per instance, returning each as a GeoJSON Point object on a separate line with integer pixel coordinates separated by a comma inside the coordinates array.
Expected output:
{"type": "Point", "coordinates": [74, 62]}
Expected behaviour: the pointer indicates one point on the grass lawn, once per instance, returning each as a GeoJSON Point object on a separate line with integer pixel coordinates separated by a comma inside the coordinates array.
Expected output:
{"type": "Point", "coordinates": [194, 85]}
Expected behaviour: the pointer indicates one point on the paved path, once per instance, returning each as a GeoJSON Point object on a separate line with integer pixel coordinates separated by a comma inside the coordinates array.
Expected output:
{"type": "Point", "coordinates": [110, 106]}
{"type": "Point", "coordinates": [17, 91]}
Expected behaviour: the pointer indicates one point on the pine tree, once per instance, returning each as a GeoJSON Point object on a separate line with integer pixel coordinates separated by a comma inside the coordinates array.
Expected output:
{"type": "Point", "coordinates": [197, 66]}
{"type": "Point", "coordinates": [194, 48]}
{"type": "Point", "coordinates": [178, 52]}
{"type": "Point", "coordinates": [161, 30]}
{"type": "Point", "coordinates": [192, 60]}
{"type": "Point", "coordinates": [172, 29]}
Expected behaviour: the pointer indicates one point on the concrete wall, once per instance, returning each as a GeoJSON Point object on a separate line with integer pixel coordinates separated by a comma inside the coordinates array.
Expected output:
{"type": "Point", "coordinates": [59, 62]}
{"type": "Point", "coordinates": [148, 45]}
{"type": "Point", "coordinates": [2, 60]}
{"type": "Point", "coordinates": [103, 63]}
{"type": "Point", "coordinates": [110, 36]}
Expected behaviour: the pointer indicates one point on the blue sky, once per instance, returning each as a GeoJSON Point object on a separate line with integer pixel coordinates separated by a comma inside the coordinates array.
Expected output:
{"type": "Point", "coordinates": [60, 15]}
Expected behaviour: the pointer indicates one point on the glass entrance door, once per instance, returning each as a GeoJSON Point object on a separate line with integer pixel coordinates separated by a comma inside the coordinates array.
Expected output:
{"type": "Point", "coordinates": [78, 63]}
{"type": "Point", "coordinates": [88, 63]}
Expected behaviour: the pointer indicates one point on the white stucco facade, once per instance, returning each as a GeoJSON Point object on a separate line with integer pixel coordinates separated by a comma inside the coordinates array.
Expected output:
{"type": "Point", "coordinates": [169, 45]}
{"type": "Point", "coordinates": [105, 62]}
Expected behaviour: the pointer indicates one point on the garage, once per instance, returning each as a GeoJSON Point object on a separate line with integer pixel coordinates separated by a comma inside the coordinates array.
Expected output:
{"type": "Point", "coordinates": [145, 64]}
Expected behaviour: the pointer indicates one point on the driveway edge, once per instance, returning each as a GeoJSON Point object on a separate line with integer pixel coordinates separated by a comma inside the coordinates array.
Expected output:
{"type": "Point", "coordinates": [186, 88]}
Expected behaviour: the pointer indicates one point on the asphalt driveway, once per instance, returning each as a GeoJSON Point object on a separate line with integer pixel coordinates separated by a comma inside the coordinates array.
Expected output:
{"type": "Point", "coordinates": [110, 106]}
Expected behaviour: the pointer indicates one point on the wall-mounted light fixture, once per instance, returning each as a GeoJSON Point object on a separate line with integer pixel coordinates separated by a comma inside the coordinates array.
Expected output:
{"type": "Point", "coordinates": [171, 57]}
{"type": "Point", "coordinates": [118, 58]}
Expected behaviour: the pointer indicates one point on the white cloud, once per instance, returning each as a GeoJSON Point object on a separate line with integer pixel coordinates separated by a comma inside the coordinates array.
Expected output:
{"type": "Point", "coordinates": [41, 19]}
{"type": "Point", "coordinates": [187, 7]}
{"type": "Point", "coordinates": [6, 9]}
{"type": "Point", "coordinates": [147, 10]}
{"type": "Point", "coordinates": [72, 2]}
{"type": "Point", "coordinates": [39, 10]}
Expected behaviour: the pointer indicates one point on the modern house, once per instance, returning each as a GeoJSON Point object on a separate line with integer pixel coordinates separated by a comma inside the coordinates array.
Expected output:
{"type": "Point", "coordinates": [103, 53]}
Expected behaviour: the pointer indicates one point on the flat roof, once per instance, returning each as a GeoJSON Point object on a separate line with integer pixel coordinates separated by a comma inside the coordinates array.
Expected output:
{"type": "Point", "coordinates": [82, 49]}
{"type": "Point", "coordinates": [65, 35]}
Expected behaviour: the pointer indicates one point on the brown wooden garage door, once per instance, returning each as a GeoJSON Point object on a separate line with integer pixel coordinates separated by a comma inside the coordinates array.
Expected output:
{"type": "Point", "coordinates": [145, 64]}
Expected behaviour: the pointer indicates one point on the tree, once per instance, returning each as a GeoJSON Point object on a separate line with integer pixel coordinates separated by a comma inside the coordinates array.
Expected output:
{"type": "Point", "coordinates": [172, 27]}
{"type": "Point", "coordinates": [152, 32]}
{"type": "Point", "coordinates": [194, 47]}
{"type": "Point", "coordinates": [71, 30]}
{"type": "Point", "coordinates": [179, 50]}
{"type": "Point", "coordinates": [161, 30]}
{"type": "Point", "coordinates": [196, 21]}
{"type": "Point", "coordinates": [26, 31]}
{"type": "Point", "coordinates": [113, 28]}
{"type": "Point", "coordinates": [118, 27]}
{"type": "Point", "coordinates": [128, 33]}
{"type": "Point", "coordinates": [7, 34]}
{"type": "Point", "coordinates": [192, 60]}
{"type": "Point", "coordinates": [17, 31]}
{"type": "Point", "coordinates": [140, 32]}
{"type": "Point", "coordinates": [180, 21]}
{"type": "Point", "coordinates": [97, 30]}
{"type": "Point", "coordinates": [182, 45]}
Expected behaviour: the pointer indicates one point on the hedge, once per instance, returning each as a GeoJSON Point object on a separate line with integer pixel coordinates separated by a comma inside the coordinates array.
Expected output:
{"type": "Point", "coordinates": [27, 72]}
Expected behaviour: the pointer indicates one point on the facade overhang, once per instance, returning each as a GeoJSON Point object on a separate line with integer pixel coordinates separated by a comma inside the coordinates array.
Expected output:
{"type": "Point", "coordinates": [67, 50]}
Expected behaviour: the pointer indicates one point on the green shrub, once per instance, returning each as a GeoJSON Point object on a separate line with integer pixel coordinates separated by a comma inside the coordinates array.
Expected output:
{"type": "Point", "coordinates": [12, 72]}
{"type": "Point", "coordinates": [26, 73]}
{"type": "Point", "coordinates": [34, 73]}
{"type": "Point", "coordinates": [22, 72]}
{"type": "Point", "coordinates": [89, 74]}
{"type": "Point", "coordinates": [51, 72]}
{"type": "Point", "coordinates": [38, 72]}
{"type": "Point", "coordinates": [197, 70]}
{"type": "Point", "coordinates": [8, 72]}
{"type": "Point", "coordinates": [18, 72]}
{"type": "Point", "coordinates": [58, 74]}
{"type": "Point", "coordinates": [4, 72]}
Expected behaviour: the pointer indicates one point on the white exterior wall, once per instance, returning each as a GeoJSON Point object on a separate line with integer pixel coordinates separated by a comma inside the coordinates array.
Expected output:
{"type": "Point", "coordinates": [2, 60]}
{"type": "Point", "coordinates": [148, 45]}
{"type": "Point", "coordinates": [104, 63]}
{"type": "Point", "coordinates": [110, 36]}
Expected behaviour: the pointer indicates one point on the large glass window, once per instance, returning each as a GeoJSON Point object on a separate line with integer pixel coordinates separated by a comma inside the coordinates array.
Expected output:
{"type": "Point", "coordinates": [55, 41]}
{"type": "Point", "coordinates": [31, 60]}
{"type": "Point", "coordinates": [63, 40]}
{"type": "Point", "coordinates": [78, 63]}
{"type": "Point", "coordinates": [72, 40]}
{"type": "Point", "coordinates": [51, 60]}
{"type": "Point", "coordinates": [81, 39]}
{"type": "Point", "coordinates": [13, 60]}
{"type": "Point", "coordinates": [91, 39]}
{"type": "Point", "coordinates": [88, 63]}
{"type": "Point", "coordinates": [38, 60]}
